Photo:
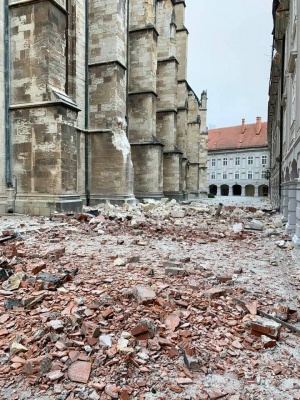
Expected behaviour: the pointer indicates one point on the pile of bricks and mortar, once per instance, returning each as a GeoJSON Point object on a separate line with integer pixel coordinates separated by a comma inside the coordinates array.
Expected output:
{"type": "Point", "coordinates": [155, 301]}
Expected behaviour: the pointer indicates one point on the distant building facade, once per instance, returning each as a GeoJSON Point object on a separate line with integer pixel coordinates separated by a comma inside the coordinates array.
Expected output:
{"type": "Point", "coordinates": [95, 104]}
{"type": "Point", "coordinates": [238, 160]}
{"type": "Point", "coordinates": [284, 114]}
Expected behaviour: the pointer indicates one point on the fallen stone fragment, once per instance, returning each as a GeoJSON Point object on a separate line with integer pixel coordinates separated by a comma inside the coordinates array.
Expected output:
{"type": "Point", "coordinates": [17, 348]}
{"type": "Point", "coordinates": [256, 225]}
{"type": "Point", "coordinates": [133, 259]}
{"type": "Point", "coordinates": [55, 375]}
{"type": "Point", "coordinates": [172, 321]}
{"type": "Point", "coordinates": [177, 214]}
{"type": "Point", "coordinates": [173, 271]}
{"type": "Point", "coordinates": [184, 381]}
{"type": "Point", "coordinates": [112, 391]}
{"type": "Point", "coordinates": [11, 303]}
{"type": "Point", "coordinates": [285, 313]}
{"type": "Point", "coordinates": [268, 342]}
{"type": "Point", "coordinates": [214, 293]}
{"type": "Point", "coordinates": [57, 325]}
{"type": "Point", "coordinates": [193, 362]}
{"type": "Point", "coordinates": [54, 252]}
{"type": "Point", "coordinates": [79, 371]}
{"type": "Point", "coordinates": [5, 274]}
{"type": "Point", "coordinates": [105, 340]}
{"type": "Point", "coordinates": [4, 318]}
{"type": "Point", "coordinates": [215, 394]}
{"type": "Point", "coordinates": [252, 307]}
{"type": "Point", "coordinates": [119, 262]}
{"type": "Point", "coordinates": [14, 281]}
{"type": "Point", "coordinates": [123, 347]}
{"type": "Point", "coordinates": [32, 301]}
{"type": "Point", "coordinates": [263, 326]}
{"type": "Point", "coordinates": [51, 281]}
{"type": "Point", "coordinates": [144, 294]}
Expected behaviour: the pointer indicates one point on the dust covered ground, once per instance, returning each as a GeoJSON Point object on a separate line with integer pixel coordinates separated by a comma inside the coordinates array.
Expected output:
{"type": "Point", "coordinates": [157, 301]}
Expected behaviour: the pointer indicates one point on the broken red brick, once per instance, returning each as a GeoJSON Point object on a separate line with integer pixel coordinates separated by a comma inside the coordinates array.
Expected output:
{"type": "Point", "coordinates": [79, 371]}
{"type": "Point", "coordinates": [263, 326]}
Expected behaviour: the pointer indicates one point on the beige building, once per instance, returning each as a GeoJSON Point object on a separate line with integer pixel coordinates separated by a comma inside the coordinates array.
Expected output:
{"type": "Point", "coordinates": [239, 160]}
{"type": "Point", "coordinates": [95, 104]}
{"type": "Point", "coordinates": [284, 114]}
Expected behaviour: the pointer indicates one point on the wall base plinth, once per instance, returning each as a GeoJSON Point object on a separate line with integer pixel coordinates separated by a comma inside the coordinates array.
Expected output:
{"type": "Point", "coordinates": [113, 199]}
{"type": "Point", "coordinates": [46, 205]}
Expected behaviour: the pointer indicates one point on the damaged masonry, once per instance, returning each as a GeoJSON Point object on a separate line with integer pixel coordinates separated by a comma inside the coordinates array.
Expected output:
{"type": "Point", "coordinates": [95, 105]}
{"type": "Point", "coordinates": [155, 301]}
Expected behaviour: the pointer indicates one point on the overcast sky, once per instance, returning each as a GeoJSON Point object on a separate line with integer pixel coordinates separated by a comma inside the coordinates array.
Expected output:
{"type": "Point", "coordinates": [230, 46]}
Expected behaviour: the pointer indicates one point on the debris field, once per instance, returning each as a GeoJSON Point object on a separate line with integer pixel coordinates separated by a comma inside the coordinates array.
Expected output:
{"type": "Point", "coordinates": [154, 301]}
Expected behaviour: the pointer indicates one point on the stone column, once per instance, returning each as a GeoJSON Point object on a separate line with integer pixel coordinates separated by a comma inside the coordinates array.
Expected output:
{"type": "Point", "coordinates": [285, 202]}
{"type": "Point", "coordinates": [218, 190]}
{"type": "Point", "coordinates": [43, 117]}
{"type": "Point", "coordinates": [243, 191]}
{"type": "Point", "coordinates": [147, 151]}
{"type": "Point", "coordinates": [110, 163]}
{"type": "Point", "coordinates": [230, 191]}
{"type": "Point", "coordinates": [255, 191]}
{"type": "Point", "coordinates": [167, 90]}
{"type": "Point", "coordinates": [3, 207]}
{"type": "Point", "coordinates": [292, 205]}
{"type": "Point", "coordinates": [296, 237]}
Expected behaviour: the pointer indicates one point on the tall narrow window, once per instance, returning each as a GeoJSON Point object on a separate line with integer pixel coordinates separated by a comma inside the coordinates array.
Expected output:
{"type": "Point", "coordinates": [250, 175]}
{"type": "Point", "coordinates": [264, 160]}
{"type": "Point", "coordinates": [213, 162]}
{"type": "Point", "coordinates": [263, 174]}
{"type": "Point", "coordinates": [237, 175]}
{"type": "Point", "coordinates": [237, 161]}
{"type": "Point", "coordinates": [224, 175]}
{"type": "Point", "coordinates": [225, 161]}
{"type": "Point", "coordinates": [213, 175]}
{"type": "Point", "coordinates": [250, 160]}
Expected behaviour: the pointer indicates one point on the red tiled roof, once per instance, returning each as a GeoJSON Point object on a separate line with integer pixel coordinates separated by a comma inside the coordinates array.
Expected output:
{"type": "Point", "coordinates": [237, 137]}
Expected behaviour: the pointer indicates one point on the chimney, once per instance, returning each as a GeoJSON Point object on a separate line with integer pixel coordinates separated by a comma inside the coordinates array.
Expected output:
{"type": "Point", "coordinates": [258, 125]}
{"type": "Point", "coordinates": [243, 125]}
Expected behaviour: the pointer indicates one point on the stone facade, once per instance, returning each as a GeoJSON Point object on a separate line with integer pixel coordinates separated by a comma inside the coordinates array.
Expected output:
{"type": "Point", "coordinates": [97, 105]}
{"type": "Point", "coordinates": [284, 115]}
{"type": "Point", "coordinates": [239, 160]}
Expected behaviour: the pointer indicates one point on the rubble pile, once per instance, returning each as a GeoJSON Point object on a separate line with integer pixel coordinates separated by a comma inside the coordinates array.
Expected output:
{"type": "Point", "coordinates": [154, 301]}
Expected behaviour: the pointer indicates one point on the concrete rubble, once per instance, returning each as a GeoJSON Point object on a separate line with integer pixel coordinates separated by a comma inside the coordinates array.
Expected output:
{"type": "Point", "coordinates": [153, 301]}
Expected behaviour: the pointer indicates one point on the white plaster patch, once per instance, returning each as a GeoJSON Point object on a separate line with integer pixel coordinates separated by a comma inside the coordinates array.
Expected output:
{"type": "Point", "coordinates": [119, 139]}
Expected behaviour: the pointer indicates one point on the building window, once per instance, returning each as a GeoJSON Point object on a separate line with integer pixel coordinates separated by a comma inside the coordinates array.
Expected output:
{"type": "Point", "coordinates": [213, 175]}
{"type": "Point", "coordinates": [250, 175]}
{"type": "Point", "coordinates": [237, 175]}
{"type": "Point", "coordinates": [213, 162]}
{"type": "Point", "coordinates": [225, 161]}
{"type": "Point", "coordinates": [250, 160]}
{"type": "Point", "coordinates": [224, 175]}
{"type": "Point", "coordinates": [237, 161]}
{"type": "Point", "coordinates": [263, 174]}
{"type": "Point", "coordinates": [264, 160]}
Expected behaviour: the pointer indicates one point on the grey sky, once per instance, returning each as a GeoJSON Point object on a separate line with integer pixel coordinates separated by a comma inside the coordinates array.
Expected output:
{"type": "Point", "coordinates": [230, 56]}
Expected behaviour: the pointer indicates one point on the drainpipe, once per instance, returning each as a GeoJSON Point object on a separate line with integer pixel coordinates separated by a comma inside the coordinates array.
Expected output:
{"type": "Point", "coordinates": [6, 97]}
{"type": "Point", "coordinates": [67, 49]}
{"type": "Point", "coordinates": [127, 70]}
{"type": "Point", "coordinates": [281, 119]}
{"type": "Point", "coordinates": [86, 106]}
